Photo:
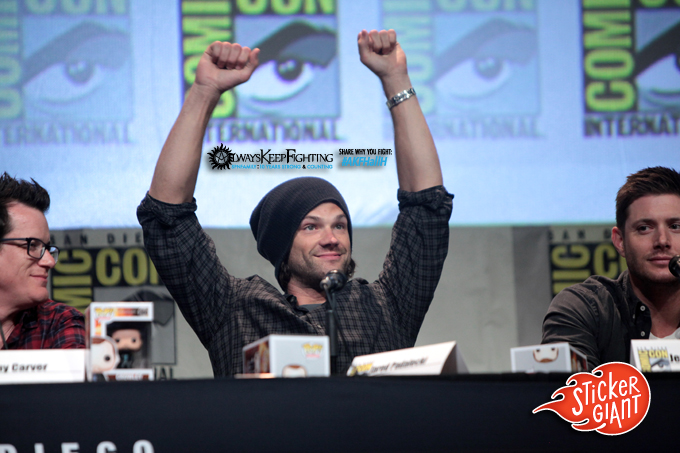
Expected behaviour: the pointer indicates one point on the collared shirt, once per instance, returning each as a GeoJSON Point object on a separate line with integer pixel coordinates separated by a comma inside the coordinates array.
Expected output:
{"type": "Point", "coordinates": [599, 317]}
{"type": "Point", "coordinates": [228, 313]}
{"type": "Point", "coordinates": [50, 325]}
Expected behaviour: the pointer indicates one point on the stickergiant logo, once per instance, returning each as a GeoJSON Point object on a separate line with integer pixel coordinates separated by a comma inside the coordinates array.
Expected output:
{"type": "Point", "coordinates": [611, 400]}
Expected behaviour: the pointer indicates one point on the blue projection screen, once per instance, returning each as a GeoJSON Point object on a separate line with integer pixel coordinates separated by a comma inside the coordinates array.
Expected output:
{"type": "Point", "coordinates": [539, 108]}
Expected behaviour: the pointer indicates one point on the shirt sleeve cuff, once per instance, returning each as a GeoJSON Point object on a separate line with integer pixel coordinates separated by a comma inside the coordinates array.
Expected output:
{"type": "Point", "coordinates": [431, 198]}
{"type": "Point", "coordinates": [166, 213]}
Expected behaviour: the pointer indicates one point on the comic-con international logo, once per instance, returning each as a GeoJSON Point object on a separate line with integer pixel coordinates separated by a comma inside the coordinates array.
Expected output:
{"type": "Point", "coordinates": [474, 65]}
{"type": "Point", "coordinates": [221, 158]}
{"type": "Point", "coordinates": [293, 95]}
{"type": "Point", "coordinates": [61, 61]}
{"type": "Point", "coordinates": [631, 68]}
{"type": "Point", "coordinates": [578, 251]}
{"type": "Point", "coordinates": [655, 359]}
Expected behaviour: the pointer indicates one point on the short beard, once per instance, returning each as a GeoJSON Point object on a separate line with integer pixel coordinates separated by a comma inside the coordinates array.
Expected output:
{"type": "Point", "coordinates": [312, 281]}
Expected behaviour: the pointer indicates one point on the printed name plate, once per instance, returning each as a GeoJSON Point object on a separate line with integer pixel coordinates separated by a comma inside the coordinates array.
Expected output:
{"type": "Point", "coordinates": [435, 359]}
{"type": "Point", "coordinates": [547, 358]}
{"type": "Point", "coordinates": [655, 355]}
{"type": "Point", "coordinates": [23, 366]}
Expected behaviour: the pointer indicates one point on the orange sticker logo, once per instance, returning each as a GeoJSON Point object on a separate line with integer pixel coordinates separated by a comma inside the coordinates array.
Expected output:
{"type": "Point", "coordinates": [611, 400]}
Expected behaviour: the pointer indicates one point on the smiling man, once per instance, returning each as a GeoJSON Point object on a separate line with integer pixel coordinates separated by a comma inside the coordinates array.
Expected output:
{"type": "Point", "coordinates": [303, 227]}
{"type": "Point", "coordinates": [600, 316]}
{"type": "Point", "coordinates": [29, 320]}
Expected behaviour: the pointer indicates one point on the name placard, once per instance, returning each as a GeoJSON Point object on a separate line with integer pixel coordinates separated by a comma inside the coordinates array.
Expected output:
{"type": "Point", "coordinates": [655, 355]}
{"type": "Point", "coordinates": [435, 359]}
{"type": "Point", "coordinates": [42, 366]}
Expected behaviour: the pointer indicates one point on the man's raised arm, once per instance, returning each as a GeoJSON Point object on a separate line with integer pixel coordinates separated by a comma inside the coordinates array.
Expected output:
{"type": "Point", "coordinates": [417, 161]}
{"type": "Point", "coordinates": [222, 67]}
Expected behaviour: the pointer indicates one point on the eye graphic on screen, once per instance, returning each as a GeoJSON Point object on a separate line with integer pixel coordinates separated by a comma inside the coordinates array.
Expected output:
{"type": "Point", "coordinates": [657, 71]}
{"type": "Point", "coordinates": [74, 66]}
{"type": "Point", "coordinates": [482, 61]}
{"type": "Point", "coordinates": [292, 61]}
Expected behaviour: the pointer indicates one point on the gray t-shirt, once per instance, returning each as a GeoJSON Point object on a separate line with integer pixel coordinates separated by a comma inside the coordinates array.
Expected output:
{"type": "Point", "coordinates": [599, 317]}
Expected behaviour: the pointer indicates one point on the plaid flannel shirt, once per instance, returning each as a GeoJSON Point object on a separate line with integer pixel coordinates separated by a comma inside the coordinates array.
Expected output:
{"type": "Point", "coordinates": [227, 312]}
{"type": "Point", "coordinates": [50, 325]}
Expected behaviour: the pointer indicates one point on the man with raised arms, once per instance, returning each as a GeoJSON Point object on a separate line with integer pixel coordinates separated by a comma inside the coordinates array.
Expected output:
{"type": "Point", "coordinates": [302, 227]}
{"type": "Point", "coordinates": [600, 316]}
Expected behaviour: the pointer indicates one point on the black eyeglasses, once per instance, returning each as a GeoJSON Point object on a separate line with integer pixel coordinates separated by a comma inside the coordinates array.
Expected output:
{"type": "Point", "coordinates": [35, 247]}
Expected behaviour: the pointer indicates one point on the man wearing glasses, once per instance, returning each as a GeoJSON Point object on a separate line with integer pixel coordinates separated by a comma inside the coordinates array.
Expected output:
{"type": "Point", "coordinates": [29, 320]}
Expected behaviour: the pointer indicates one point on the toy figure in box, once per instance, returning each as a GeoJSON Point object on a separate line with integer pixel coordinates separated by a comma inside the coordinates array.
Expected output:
{"type": "Point", "coordinates": [129, 338]}
{"type": "Point", "coordinates": [104, 357]}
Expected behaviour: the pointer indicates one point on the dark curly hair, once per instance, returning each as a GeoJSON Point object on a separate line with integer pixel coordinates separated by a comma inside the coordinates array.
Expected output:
{"type": "Point", "coordinates": [29, 193]}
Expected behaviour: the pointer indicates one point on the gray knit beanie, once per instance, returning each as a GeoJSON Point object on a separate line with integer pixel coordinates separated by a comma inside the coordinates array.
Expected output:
{"type": "Point", "coordinates": [277, 216]}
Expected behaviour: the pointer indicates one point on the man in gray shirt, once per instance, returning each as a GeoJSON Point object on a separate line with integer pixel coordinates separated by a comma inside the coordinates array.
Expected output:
{"type": "Point", "coordinates": [600, 316]}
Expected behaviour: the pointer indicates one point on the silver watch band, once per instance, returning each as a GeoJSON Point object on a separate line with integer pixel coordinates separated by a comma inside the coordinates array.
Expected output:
{"type": "Point", "coordinates": [400, 97]}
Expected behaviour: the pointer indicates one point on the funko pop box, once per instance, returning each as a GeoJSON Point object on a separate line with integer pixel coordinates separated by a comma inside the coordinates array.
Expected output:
{"type": "Point", "coordinates": [119, 341]}
{"type": "Point", "coordinates": [547, 358]}
{"type": "Point", "coordinates": [288, 356]}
